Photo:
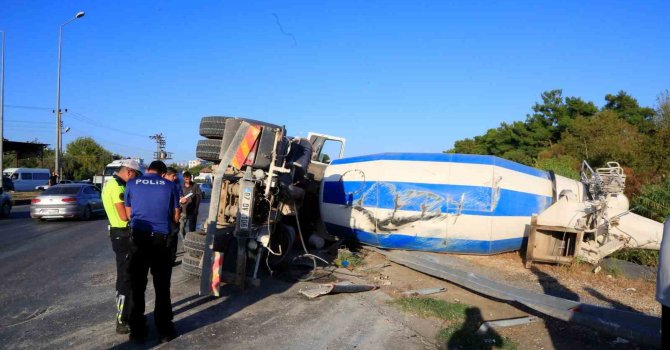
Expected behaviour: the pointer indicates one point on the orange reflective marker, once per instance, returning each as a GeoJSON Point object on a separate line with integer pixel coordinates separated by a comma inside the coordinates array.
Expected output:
{"type": "Point", "coordinates": [246, 146]}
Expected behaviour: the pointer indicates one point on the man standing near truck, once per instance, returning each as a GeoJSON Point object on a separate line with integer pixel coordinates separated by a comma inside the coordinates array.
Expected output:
{"type": "Point", "coordinates": [152, 203]}
{"type": "Point", "coordinates": [119, 233]}
{"type": "Point", "coordinates": [189, 210]}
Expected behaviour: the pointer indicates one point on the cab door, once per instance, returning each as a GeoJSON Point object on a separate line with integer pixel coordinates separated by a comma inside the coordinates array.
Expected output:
{"type": "Point", "coordinates": [325, 148]}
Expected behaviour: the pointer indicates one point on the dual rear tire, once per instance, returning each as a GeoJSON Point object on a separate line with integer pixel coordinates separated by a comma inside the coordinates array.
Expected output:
{"type": "Point", "coordinates": [194, 250]}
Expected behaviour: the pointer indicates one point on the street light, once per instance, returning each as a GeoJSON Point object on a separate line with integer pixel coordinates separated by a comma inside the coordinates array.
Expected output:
{"type": "Point", "coordinates": [2, 103]}
{"type": "Point", "coordinates": [59, 139]}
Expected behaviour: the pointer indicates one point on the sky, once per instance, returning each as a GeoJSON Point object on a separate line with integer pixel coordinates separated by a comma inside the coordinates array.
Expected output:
{"type": "Point", "coordinates": [389, 76]}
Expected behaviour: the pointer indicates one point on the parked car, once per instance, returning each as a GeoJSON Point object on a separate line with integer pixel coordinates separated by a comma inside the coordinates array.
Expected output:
{"type": "Point", "coordinates": [67, 201]}
{"type": "Point", "coordinates": [5, 203]}
{"type": "Point", "coordinates": [7, 183]}
{"type": "Point", "coordinates": [26, 179]}
{"type": "Point", "coordinates": [61, 182]}
{"type": "Point", "coordinates": [206, 189]}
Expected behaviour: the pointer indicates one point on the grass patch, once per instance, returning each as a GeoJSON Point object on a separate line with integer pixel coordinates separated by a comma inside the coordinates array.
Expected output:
{"type": "Point", "coordinates": [613, 270]}
{"type": "Point", "coordinates": [348, 259]}
{"type": "Point", "coordinates": [428, 307]}
{"type": "Point", "coordinates": [638, 256]}
{"type": "Point", "coordinates": [458, 336]}
{"type": "Point", "coordinates": [462, 323]}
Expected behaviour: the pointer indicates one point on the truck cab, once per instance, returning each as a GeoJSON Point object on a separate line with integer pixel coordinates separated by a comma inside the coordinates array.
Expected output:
{"type": "Point", "coordinates": [265, 194]}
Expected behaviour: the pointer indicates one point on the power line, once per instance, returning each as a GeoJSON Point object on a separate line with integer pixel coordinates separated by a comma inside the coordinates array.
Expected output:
{"type": "Point", "coordinates": [29, 107]}
{"type": "Point", "coordinates": [96, 123]}
{"type": "Point", "coordinates": [25, 121]}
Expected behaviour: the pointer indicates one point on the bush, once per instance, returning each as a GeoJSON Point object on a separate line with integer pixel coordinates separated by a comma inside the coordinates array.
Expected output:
{"type": "Point", "coordinates": [654, 201]}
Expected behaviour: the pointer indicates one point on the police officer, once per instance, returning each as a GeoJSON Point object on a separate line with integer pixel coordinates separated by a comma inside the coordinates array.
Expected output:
{"type": "Point", "coordinates": [171, 175]}
{"type": "Point", "coordinates": [153, 207]}
{"type": "Point", "coordinates": [112, 199]}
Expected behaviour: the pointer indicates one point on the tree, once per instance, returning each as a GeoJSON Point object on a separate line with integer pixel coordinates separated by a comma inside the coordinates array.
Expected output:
{"type": "Point", "coordinates": [555, 115]}
{"type": "Point", "coordinates": [629, 110]}
{"type": "Point", "coordinates": [654, 201]}
{"type": "Point", "coordinates": [522, 141]}
{"type": "Point", "coordinates": [605, 137]}
{"type": "Point", "coordinates": [84, 158]}
{"type": "Point", "coordinates": [662, 117]}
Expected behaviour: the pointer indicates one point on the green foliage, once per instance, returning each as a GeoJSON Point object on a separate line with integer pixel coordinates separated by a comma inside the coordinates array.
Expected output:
{"type": "Point", "coordinates": [662, 117]}
{"type": "Point", "coordinates": [352, 259]}
{"type": "Point", "coordinates": [563, 165]}
{"type": "Point", "coordinates": [629, 110]}
{"type": "Point", "coordinates": [84, 158]}
{"type": "Point", "coordinates": [522, 141]}
{"type": "Point", "coordinates": [638, 256]}
{"type": "Point", "coordinates": [429, 307]}
{"type": "Point", "coordinates": [602, 138]}
{"type": "Point", "coordinates": [45, 161]}
{"type": "Point", "coordinates": [463, 336]}
{"type": "Point", "coordinates": [654, 201]}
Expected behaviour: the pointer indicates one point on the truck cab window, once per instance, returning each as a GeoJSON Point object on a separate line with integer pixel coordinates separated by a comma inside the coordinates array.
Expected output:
{"type": "Point", "coordinates": [329, 151]}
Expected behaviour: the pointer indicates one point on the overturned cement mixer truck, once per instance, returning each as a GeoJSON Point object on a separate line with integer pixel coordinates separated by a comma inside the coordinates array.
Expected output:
{"type": "Point", "coordinates": [271, 191]}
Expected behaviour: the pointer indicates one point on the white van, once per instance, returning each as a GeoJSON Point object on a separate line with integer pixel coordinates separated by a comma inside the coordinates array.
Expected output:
{"type": "Point", "coordinates": [27, 179]}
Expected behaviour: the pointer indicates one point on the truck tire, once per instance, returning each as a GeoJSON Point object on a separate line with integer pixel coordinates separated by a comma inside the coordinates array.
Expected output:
{"type": "Point", "coordinates": [191, 266]}
{"type": "Point", "coordinates": [212, 127]}
{"type": "Point", "coordinates": [208, 150]}
{"type": "Point", "coordinates": [195, 241]}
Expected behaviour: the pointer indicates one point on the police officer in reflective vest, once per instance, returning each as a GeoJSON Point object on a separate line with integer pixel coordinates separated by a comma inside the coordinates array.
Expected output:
{"type": "Point", "coordinates": [153, 207]}
{"type": "Point", "coordinates": [119, 233]}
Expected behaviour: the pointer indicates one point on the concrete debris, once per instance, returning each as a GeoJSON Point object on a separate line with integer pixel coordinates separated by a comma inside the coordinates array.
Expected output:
{"type": "Point", "coordinates": [597, 269]}
{"type": "Point", "coordinates": [425, 291]}
{"type": "Point", "coordinates": [488, 325]}
{"type": "Point", "coordinates": [334, 288]}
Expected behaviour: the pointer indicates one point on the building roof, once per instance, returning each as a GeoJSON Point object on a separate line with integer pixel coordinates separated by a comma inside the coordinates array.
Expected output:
{"type": "Point", "coordinates": [24, 149]}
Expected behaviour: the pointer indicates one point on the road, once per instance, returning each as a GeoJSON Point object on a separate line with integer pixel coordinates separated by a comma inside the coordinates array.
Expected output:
{"type": "Point", "coordinates": [57, 291]}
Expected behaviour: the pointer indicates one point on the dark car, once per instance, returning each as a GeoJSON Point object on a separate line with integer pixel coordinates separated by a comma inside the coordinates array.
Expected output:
{"type": "Point", "coordinates": [67, 201]}
{"type": "Point", "coordinates": [7, 183]}
{"type": "Point", "coordinates": [5, 203]}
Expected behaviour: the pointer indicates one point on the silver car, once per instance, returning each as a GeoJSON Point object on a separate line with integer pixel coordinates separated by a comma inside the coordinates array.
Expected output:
{"type": "Point", "coordinates": [67, 201]}
{"type": "Point", "coordinates": [206, 190]}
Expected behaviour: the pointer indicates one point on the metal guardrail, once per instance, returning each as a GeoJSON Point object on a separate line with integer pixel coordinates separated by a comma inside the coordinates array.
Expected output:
{"type": "Point", "coordinates": [23, 197]}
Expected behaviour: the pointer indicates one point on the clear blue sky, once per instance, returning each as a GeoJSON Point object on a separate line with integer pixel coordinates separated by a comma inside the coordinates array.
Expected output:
{"type": "Point", "coordinates": [387, 75]}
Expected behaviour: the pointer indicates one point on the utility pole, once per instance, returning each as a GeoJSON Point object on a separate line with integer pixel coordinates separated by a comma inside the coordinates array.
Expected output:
{"type": "Point", "coordinates": [160, 153]}
{"type": "Point", "coordinates": [2, 103]}
{"type": "Point", "coordinates": [57, 167]}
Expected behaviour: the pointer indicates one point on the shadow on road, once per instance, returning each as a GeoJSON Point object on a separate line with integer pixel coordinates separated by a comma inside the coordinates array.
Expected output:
{"type": "Point", "coordinates": [615, 304]}
{"type": "Point", "coordinates": [467, 337]}
{"type": "Point", "coordinates": [552, 286]}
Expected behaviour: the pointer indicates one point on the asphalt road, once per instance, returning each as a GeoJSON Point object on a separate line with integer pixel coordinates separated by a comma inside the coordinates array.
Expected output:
{"type": "Point", "coordinates": [57, 291]}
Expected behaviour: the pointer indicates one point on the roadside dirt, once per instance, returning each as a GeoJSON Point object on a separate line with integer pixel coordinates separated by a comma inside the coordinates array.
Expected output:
{"type": "Point", "coordinates": [576, 282]}
{"type": "Point", "coordinates": [547, 333]}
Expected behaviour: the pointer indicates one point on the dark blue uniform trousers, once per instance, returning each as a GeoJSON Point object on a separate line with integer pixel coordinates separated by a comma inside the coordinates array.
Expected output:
{"type": "Point", "coordinates": [151, 252]}
{"type": "Point", "coordinates": [120, 238]}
